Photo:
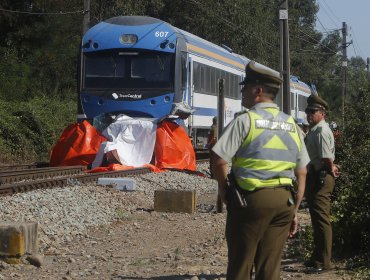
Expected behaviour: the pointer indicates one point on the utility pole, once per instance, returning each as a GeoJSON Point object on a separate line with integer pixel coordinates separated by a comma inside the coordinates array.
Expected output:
{"type": "Point", "coordinates": [344, 69]}
{"type": "Point", "coordinates": [284, 56]}
{"type": "Point", "coordinates": [368, 65]}
{"type": "Point", "coordinates": [220, 127]}
{"type": "Point", "coordinates": [86, 19]}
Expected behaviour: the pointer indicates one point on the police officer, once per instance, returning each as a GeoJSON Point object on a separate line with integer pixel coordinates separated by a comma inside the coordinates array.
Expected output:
{"type": "Point", "coordinates": [267, 153]}
{"type": "Point", "coordinates": [212, 137]}
{"type": "Point", "coordinates": [320, 182]}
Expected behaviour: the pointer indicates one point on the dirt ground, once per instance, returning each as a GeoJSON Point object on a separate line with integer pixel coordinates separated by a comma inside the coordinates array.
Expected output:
{"type": "Point", "coordinates": [149, 245]}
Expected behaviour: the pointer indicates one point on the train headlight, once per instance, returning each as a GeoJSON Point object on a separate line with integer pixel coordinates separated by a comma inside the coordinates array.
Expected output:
{"type": "Point", "coordinates": [128, 39]}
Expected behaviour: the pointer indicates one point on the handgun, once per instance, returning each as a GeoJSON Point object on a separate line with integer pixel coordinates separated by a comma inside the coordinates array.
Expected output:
{"type": "Point", "coordinates": [235, 193]}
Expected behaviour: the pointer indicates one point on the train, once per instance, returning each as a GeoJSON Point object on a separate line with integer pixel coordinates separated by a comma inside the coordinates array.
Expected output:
{"type": "Point", "coordinates": [144, 67]}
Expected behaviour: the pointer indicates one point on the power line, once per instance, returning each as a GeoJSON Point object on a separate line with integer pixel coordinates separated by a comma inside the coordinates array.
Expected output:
{"type": "Point", "coordinates": [317, 18]}
{"type": "Point", "coordinates": [352, 35]}
{"type": "Point", "coordinates": [44, 13]}
{"type": "Point", "coordinates": [316, 41]}
{"type": "Point", "coordinates": [311, 52]}
{"type": "Point", "coordinates": [326, 6]}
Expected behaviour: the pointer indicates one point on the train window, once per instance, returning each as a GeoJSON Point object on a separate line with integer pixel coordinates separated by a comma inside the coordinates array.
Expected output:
{"type": "Point", "coordinates": [239, 87]}
{"type": "Point", "coordinates": [105, 66]}
{"type": "Point", "coordinates": [151, 68]}
{"type": "Point", "coordinates": [223, 76]}
{"type": "Point", "coordinates": [137, 71]}
{"type": "Point", "coordinates": [233, 85]}
{"type": "Point", "coordinates": [196, 76]}
{"type": "Point", "coordinates": [213, 80]}
{"type": "Point", "coordinates": [207, 79]}
{"type": "Point", "coordinates": [111, 70]}
{"type": "Point", "coordinates": [217, 77]}
{"type": "Point", "coordinates": [293, 104]}
{"type": "Point", "coordinates": [228, 85]}
{"type": "Point", "coordinates": [202, 78]}
{"type": "Point", "coordinates": [302, 102]}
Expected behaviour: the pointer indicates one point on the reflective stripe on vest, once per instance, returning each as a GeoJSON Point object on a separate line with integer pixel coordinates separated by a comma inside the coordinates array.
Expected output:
{"type": "Point", "coordinates": [268, 154]}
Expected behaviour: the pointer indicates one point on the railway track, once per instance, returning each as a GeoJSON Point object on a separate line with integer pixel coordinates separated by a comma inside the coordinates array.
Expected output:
{"type": "Point", "coordinates": [28, 178]}
{"type": "Point", "coordinates": [12, 176]}
{"type": "Point", "coordinates": [64, 178]}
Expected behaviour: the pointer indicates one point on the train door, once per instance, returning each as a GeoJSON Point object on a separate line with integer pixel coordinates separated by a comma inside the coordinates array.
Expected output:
{"type": "Point", "coordinates": [189, 93]}
{"type": "Point", "coordinates": [295, 107]}
{"type": "Point", "coordinates": [203, 100]}
{"type": "Point", "coordinates": [188, 89]}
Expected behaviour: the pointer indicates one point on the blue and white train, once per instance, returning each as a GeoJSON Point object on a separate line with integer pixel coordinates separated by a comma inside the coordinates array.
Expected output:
{"type": "Point", "coordinates": [144, 67]}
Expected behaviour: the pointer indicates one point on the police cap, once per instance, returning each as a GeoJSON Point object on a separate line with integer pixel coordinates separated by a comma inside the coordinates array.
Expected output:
{"type": "Point", "coordinates": [256, 73]}
{"type": "Point", "coordinates": [315, 102]}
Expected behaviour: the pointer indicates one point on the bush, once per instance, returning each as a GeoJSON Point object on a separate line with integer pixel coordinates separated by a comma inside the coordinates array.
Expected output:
{"type": "Point", "coordinates": [351, 205]}
{"type": "Point", "coordinates": [29, 129]}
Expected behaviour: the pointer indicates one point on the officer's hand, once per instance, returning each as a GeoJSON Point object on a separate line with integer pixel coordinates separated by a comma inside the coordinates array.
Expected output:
{"type": "Point", "coordinates": [335, 170]}
{"type": "Point", "coordinates": [293, 227]}
{"type": "Point", "coordinates": [222, 194]}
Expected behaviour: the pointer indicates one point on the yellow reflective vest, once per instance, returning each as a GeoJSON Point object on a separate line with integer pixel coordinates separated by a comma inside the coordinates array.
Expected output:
{"type": "Point", "coordinates": [268, 155]}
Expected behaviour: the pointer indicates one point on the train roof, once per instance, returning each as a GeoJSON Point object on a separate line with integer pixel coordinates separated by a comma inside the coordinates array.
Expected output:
{"type": "Point", "coordinates": [208, 49]}
{"type": "Point", "coordinates": [295, 83]}
{"type": "Point", "coordinates": [106, 35]}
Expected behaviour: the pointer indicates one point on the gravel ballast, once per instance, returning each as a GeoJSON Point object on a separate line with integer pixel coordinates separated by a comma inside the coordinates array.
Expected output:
{"type": "Point", "coordinates": [63, 213]}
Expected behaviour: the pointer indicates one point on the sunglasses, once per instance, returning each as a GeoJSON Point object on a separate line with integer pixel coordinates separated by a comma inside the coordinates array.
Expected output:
{"type": "Point", "coordinates": [311, 111]}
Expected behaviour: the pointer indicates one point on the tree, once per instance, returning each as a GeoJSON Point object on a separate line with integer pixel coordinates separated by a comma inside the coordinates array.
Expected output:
{"type": "Point", "coordinates": [351, 206]}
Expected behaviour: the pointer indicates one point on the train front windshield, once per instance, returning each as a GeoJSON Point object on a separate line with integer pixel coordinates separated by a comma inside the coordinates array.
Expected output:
{"type": "Point", "coordinates": [119, 70]}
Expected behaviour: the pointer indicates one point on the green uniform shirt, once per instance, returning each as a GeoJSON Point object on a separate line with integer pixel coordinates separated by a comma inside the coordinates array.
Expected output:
{"type": "Point", "coordinates": [320, 144]}
{"type": "Point", "coordinates": [234, 134]}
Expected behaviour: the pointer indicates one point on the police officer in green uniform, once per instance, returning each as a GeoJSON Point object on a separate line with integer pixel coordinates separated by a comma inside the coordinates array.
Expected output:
{"type": "Point", "coordinates": [320, 182]}
{"type": "Point", "coordinates": [267, 153]}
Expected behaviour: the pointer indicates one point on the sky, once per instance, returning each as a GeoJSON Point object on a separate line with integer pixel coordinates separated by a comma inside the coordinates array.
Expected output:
{"type": "Point", "coordinates": [356, 14]}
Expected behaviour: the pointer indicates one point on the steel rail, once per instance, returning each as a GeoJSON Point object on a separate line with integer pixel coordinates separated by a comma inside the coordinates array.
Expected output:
{"type": "Point", "coordinates": [10, 189]}
{"type": "Point", "coordinates": [7, 177]}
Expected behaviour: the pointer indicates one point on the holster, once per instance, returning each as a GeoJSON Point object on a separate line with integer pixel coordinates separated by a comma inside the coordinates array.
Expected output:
{"type": "Point", "coordinates": [319, 176]}
{"type": "Point", "coordinates": [293, 192]}
{"type": "Point", "coordinates": [234, 194]}
{"type": "Point", "coordinates": [322, 176]}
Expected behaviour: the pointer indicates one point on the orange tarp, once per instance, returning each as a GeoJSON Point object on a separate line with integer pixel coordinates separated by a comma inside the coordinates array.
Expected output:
{"type": "Point", "coordinates": [77, 145]}
{"type": "Point", "coordinates": [80, 142]}
{"type": "Point", "coordinates": [116, 167]}
{"type": "Point", "coordinates": [173, 148]}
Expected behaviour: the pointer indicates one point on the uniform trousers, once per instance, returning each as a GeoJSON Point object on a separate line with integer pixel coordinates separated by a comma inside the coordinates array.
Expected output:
{"type": "Point", "coordinates": [257, 234]}
{"type": "Point", "coordinates": [318, 196]}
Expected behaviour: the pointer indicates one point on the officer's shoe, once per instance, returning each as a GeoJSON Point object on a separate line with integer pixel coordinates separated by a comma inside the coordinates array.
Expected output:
{"type": "Point", "coordinates": [317, 269]}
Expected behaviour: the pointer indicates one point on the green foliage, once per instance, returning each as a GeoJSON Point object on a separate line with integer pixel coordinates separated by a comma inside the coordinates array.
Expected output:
{"type": "Point", "coordinates": [29, 129]}
{"type": "Point", "coordinates": [249, 27]}
{"type": "Point", "coordinates": [360, 268]}
{"type": "Point", "coordinates": [351, 206]}
{"type": "Point", "coordinates": [15, 76]}
{"type": "Point", "coordinates": [306, 242]}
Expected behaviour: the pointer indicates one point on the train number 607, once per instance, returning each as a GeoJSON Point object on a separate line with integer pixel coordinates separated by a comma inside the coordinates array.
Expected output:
{"type": "Point", "coordinates": [161, 34]}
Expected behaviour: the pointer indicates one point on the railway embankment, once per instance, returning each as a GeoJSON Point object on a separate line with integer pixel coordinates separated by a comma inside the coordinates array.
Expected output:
{"type": "Point", "coordinates": [94, 232]}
